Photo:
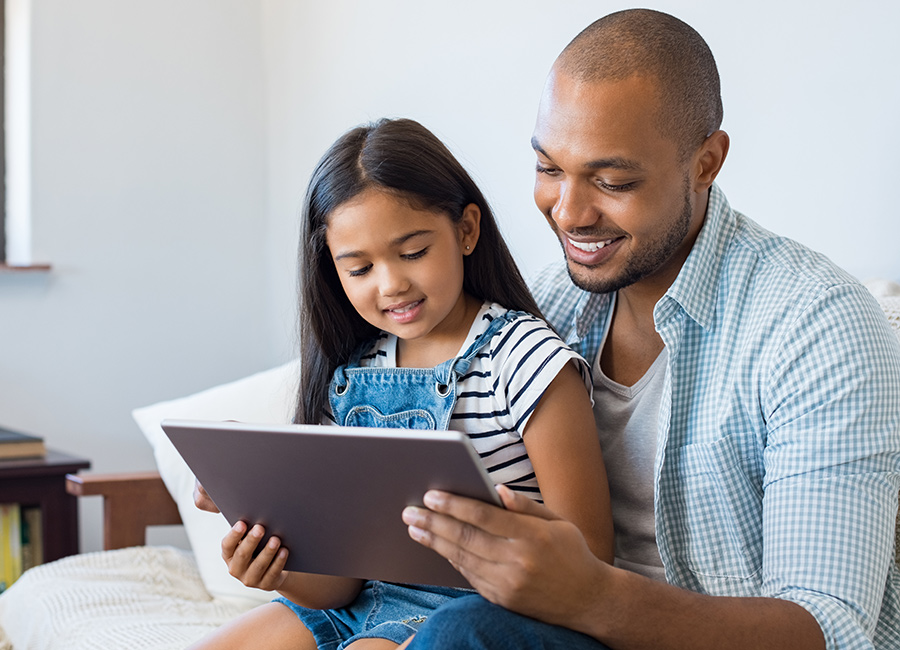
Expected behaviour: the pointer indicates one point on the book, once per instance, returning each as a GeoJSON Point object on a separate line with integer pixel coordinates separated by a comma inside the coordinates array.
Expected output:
{"type": "Point", "coordinates": [32, 537]}
{"type": "Point", "coordinates": [14, 444]}
{"type": "Point", "coordinates": [10, 544]}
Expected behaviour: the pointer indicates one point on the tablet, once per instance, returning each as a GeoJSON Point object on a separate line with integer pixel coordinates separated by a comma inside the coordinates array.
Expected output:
{"type": "Point", "coordinates": [334, 495]}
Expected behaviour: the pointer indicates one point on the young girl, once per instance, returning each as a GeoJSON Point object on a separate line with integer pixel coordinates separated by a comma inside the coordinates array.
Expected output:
{"type": "Point", "coordinates": [413, 314]}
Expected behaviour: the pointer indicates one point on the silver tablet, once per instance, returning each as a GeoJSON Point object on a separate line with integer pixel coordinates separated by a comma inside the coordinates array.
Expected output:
{"type": "Point", "coordinates": [334, 495]}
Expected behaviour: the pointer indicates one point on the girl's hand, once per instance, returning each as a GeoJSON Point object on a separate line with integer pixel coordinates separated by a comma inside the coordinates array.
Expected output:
{"type": "Point", "coordinates": [266, 570]}
{"type": "Point", "coordinates": [202, 499]}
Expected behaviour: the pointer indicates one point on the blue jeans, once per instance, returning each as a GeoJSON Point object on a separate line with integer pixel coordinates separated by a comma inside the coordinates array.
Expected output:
{"type": "Point", "coordinates": [473, 623]}
{"type": "Point", "coordinates": [382, 610]}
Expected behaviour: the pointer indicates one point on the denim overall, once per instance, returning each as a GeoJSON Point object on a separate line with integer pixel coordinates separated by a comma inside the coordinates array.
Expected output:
{"type": "Point", "coordinates": [403, 398]}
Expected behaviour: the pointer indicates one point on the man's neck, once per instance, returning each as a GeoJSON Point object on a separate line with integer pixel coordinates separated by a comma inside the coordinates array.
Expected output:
{"type": "Point", "coordinates": [632, 343]}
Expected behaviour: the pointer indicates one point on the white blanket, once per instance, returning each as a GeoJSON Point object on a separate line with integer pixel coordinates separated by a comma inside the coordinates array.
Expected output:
{"type": "Point", "coordinates": [142, 598]}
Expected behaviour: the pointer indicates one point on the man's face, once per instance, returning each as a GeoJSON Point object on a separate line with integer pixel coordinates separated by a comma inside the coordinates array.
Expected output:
{"type": "Point", "coordinates": [615, 190]}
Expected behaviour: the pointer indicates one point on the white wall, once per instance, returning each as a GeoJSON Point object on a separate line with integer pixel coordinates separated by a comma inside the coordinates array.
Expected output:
{"type": "Point", "coordinates": [149, 201]}
{"type": "Point", "coordinates": [811, 98]}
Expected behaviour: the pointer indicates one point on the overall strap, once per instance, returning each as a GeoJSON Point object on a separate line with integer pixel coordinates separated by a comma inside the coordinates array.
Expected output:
{"type": "Point", "coordinates": [340, 376]}
{"type": "Point", "coordinates": [460, 364]}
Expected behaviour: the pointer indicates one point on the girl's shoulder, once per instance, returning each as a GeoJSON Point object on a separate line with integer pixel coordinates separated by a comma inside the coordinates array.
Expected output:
{"type": "Point", "coordinates": [492, 310]}
{"type": "Point", "coordinates": [517, 325]}
{"type": "Point", "coordinates": [525, 353]}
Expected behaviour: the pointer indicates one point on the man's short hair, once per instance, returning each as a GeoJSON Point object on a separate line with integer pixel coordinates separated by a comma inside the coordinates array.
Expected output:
{"type": "Point", "coordinates": [644, 42]}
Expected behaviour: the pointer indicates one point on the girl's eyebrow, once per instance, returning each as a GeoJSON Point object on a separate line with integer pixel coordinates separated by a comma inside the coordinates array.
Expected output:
{"type": "Point", "coordinates": [402, 239]}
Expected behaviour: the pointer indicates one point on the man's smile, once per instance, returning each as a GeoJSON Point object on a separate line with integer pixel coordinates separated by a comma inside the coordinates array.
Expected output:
{"type": "Point", "coordinates": [590, 246]}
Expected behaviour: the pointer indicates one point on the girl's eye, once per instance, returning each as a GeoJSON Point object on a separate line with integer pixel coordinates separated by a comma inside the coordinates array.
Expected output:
{"type": "Point", "coordinates": [355, 273]}
{"type": "Point", "coordinates": [541, 169]}
{"type": "Point", "coordinates": [416, 255]}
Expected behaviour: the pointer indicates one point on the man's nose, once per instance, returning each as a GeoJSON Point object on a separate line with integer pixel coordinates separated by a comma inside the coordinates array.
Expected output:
{"type": "Point", "coordinates": [573, 208]}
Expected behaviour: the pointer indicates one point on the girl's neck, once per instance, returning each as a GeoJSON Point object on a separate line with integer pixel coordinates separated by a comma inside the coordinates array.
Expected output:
{"type": "Point", "coordinates": [437, 347]}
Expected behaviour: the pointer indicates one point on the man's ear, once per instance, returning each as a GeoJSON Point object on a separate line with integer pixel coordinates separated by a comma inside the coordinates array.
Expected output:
{"type": "Point", "coordinates": [469, 228]}
{"type": "Point", "coordinates": [709, 159]}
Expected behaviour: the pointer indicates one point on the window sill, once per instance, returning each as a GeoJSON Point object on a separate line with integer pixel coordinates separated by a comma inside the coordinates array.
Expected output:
{"type": "Point", "coordinates": [24, 268]}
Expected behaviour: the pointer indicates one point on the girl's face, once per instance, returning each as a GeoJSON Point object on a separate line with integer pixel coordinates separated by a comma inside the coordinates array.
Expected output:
{"type": "Point", "coordinates": [402, 268]}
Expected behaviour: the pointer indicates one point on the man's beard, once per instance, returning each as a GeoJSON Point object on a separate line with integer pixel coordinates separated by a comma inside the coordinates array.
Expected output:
{"type": "Point", "coordinates": [654, 256]}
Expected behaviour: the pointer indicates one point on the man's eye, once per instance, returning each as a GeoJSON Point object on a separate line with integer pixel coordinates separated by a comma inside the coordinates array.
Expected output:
{"type": "Point", "coordinates": [355, 273]}
{"type": "Point", "coordinates": [416, 255]}
{"type": "Point", "coordinates": [541, 169]}
{"type": "Point", "coordinates": [624, 187]}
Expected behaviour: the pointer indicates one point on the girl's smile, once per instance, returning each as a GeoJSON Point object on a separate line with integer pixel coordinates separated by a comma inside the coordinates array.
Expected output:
{"type": "Point", "coordinates": [402, 269]}
{"type": "Point", "coordinates": [406, 312]}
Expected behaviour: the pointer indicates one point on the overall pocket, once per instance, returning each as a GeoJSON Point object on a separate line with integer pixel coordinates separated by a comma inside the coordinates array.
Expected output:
{"type": "Point", "coordinates": [369, 416]}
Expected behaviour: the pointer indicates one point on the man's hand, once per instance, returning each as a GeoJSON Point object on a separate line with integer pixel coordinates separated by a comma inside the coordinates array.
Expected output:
{"type": "Point", "coordinates": [202, 499]}
{"type": "Point", "coordinates": [524, 558]}
{"type": "Point", "coordinates": [530, 561]}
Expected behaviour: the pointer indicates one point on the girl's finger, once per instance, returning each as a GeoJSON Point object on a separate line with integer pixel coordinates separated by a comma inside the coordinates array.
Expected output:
{"type": "Point", "coordinates": [232, 539]}
{"type": "Point", "coordinates": [272, 577]}
{"type": "Point", "coordinates": [248, 544]}
{"type": "Point", "coordinates": [255, 574]}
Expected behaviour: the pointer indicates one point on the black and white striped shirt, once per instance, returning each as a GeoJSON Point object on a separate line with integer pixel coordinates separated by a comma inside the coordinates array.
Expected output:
{"type": "Point", "coordinates": [501, 389]}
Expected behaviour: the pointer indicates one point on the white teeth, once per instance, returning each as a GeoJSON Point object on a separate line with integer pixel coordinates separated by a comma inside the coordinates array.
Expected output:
{"type": "Point", "coordinates": [403, 310]}
{"type": "Point", "coordinates": [590, 247]}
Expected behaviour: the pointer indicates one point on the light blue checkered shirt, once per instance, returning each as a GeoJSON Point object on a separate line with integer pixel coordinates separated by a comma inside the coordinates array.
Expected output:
{"type": "Point", "coordinates": [778, 461]}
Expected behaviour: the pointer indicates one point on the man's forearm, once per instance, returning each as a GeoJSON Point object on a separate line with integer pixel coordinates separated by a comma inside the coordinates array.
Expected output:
{"type": "Point", "coordinates": [631, 612]}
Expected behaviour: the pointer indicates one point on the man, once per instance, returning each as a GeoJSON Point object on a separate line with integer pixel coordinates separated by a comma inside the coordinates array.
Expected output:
{"type": "Point", "coordinates": [747, 394]}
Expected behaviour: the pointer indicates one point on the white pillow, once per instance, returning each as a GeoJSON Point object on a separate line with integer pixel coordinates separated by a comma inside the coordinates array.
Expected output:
{"type": "Point", "coordinates": [266, 397]}
{"type": "Point", "coordinates": [888, 295]}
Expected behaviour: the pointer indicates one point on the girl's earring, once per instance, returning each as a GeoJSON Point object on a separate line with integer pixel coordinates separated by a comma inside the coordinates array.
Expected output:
{"type": "Point", "coordinates": [468, 247]}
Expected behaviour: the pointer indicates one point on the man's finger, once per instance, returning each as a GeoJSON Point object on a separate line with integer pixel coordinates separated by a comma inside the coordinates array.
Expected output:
{"type": "Point", "coordinates": [516, 502]}
{"type": "Point", "coordinates": [487, 517]}
{"type": "Point", "coordinates": [471, 565]}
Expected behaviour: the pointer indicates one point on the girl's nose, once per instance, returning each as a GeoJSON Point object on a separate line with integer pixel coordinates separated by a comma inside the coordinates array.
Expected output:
{"type": "Point", "coordinates": [392, 281]}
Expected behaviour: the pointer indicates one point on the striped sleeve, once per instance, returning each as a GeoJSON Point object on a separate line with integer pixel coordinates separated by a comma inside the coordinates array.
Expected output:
{"type": "Point", "coordinates": [527, 356]}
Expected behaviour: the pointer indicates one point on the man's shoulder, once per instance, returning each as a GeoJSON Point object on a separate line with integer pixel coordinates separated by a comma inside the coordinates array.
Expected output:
{"type": "Point", "coordinates": [782, 279]}
{"type": "Point", "coordinates": [552, 285]}
{"type": "Point", "coordinates": [555, 294]}
{"type": "Point", "coordinates": [734, 251]}
{"type": "Point", "coordinates": [780, 256]}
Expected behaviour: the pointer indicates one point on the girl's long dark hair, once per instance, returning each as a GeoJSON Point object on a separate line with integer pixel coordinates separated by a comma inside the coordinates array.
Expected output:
{"type": "Point", "coordinates": [404, 158]}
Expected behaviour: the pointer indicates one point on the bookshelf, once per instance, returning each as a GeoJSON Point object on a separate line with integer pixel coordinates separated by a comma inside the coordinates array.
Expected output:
{"type": "Point", "coordinates": [41, 482]}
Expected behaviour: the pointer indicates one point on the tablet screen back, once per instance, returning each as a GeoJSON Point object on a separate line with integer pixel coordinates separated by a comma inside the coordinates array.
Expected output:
{"type": "Point", "coordinates": [334, 495]}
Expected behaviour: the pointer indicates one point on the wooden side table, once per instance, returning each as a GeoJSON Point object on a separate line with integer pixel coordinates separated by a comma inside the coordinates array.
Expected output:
{"type": "Point", "coordinates": [42, 482]}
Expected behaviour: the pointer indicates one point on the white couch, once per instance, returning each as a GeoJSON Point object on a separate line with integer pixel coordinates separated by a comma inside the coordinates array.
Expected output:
{"type": "Point", "coordinates": [162, 598]}
{"type": "Point", "coordinates": [132, 596]}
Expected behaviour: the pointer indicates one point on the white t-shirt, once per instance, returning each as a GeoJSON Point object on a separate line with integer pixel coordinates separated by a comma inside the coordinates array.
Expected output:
{"type": "Point", "coordinates": [627, 425]}
{"type": "Point", "coordinates": [500, 390]}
